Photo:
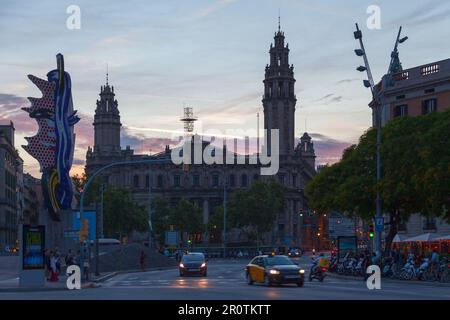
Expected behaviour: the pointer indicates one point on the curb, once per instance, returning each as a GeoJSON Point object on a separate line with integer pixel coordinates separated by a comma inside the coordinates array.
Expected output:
{"type": "Point", "coordinates": [424, 283]}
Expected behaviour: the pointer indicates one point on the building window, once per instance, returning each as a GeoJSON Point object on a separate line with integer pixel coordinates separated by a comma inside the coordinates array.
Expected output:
{"type": "Point", "coordinates": [427, 70]}
{"type": "Point", "coordinates": [255, 177]}
{"type": "Point", "coordinates": [280, 89]}
{"type": "Point", "coordinates": [136, 181]}
{"type": "Point", "coordinates": [232, 181]}
{"type": "Point", "coordinates": [429, 223]}
{"type": "Point", "coordinates": [147, 181]}
{"type": "Point", "coordinates": [244, 180]}
{"type": "Point", "coordinates": [196, 180]}
{"type": "Point", "coordinates": [429, 106]}
{"type": "Point", "coordinates": [281, 178]}
{"type": "Point", "coordinates": [159, 181]}
{"type": "Point", "coordinates": [294, 180]}
{"type": "Point", "coordinates": [176, 180]}
{"type": "Point", "coordinates": [401, 110]}
{"type": "Point", "coordinates": [215, 180]}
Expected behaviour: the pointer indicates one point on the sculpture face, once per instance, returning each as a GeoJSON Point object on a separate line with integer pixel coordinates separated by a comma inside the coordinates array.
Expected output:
{"type": "Point", "coordinates": [54, 143]}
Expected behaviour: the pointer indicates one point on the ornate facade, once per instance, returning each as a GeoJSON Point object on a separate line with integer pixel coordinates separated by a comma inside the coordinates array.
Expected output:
{"type": "Point", "coordinates": [204, 184]}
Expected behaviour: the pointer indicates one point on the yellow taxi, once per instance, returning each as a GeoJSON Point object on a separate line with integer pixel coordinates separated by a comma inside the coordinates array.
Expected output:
{"type": "Point", "coordinates": [274, 269]}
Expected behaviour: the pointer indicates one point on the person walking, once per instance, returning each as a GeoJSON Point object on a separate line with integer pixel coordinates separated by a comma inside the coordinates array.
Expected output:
{"type": "Point", "coordinates": [142, 260]}
{"type": "Point", "coordinates": [53, 268]}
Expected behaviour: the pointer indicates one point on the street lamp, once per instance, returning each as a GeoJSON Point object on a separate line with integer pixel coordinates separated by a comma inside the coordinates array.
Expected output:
{"type": "Point", "coordinates": [394, 66]}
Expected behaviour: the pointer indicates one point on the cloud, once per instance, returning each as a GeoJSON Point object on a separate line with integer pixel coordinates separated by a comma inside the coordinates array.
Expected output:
{"type": "Point", "coordinates": [328, 150]}
{"type": "Point", "coordinates": [11, 110]}
{"type": "Point", "coordinates": [208, 10]}
{"type": "Point", "coordinates": [431, 11]}
{"type": "Point", "coordinates": [346, 81]}
{"type": "Point", "coordinates": [329, 98]}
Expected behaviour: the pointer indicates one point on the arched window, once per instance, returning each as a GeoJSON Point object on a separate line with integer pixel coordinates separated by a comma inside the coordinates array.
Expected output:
{"type": "Point", "coordinates": [244, 180]}
{"type": "Point", "coordinates": [159, 182]}
{"type": "Point", "coordinates": [147, 181]}
{"type": "Point", "coordinates": [176, 180]}
{"type": "Point", "coordinates": [215, 180]}
{"type": "Point", "coordinates": [136, 181]}
{"type": "Point", "coordinates": [232, 181]}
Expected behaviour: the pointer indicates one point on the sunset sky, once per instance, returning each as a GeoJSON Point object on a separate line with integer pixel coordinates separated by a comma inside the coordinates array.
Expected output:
{"type": "Point", "coordinates": [209, 55]}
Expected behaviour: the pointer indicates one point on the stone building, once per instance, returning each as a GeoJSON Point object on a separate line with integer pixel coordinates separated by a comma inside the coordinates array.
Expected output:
{"type": "Point", "coordinates": [11, 166]}
{"type": "Point", "coordinates": [412, 92]}
{"type": "Point", "coordinates": [204, 184]}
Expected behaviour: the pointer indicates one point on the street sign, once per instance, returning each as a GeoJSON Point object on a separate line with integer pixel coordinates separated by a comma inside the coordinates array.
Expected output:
{"type": "Point", "coordinates": [171, 238]}
{"type": "Point", "coordinates": [71, 233]}
{"type": "Point", "coordinates": [379, 224]}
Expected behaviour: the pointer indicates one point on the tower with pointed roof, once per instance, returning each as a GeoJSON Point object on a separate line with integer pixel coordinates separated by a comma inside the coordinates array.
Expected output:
{"type": "Point", "coordinates": [279, 95]}
{"type": "Point", "coordinates": [107, 122]}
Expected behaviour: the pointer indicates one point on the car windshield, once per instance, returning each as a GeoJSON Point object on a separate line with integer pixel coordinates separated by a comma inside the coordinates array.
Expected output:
{"type": "Point", "coordinates": [193, 257]}
{"type": "Point", "coordinates": [278, 260]}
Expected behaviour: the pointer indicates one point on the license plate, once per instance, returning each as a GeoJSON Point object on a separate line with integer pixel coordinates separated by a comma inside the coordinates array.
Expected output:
{"type": "Point", "coordinates": [291, 277]}
{"type": "Point", "coordinates": [193, 270]}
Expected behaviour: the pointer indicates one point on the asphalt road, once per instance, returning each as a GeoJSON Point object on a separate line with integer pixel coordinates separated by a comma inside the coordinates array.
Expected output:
{"type": "Point", "coordinates": [226, 280]}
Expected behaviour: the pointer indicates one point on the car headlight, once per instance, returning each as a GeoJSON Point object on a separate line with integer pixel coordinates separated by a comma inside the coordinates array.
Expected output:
{"type": "Point", "coordinates": [181, 265]}
{"type": "Point", "coordinates": [273, 271]}
{"type": "Point", "coordinates": [301, 271]}
{"type": "Point", "coordinates": [203, 265]}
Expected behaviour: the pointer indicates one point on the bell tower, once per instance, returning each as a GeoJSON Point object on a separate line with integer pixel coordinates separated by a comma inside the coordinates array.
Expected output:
{"type": "Point", "coordinates": [279, 98]}
{"type": "Point", "coordinates": [107, 122]}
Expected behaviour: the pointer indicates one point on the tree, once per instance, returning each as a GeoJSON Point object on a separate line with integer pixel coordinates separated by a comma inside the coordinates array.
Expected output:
{"type": "Point", "coordinates": [215, 221]}
{"type": "Point", "coordinates": [161, 215]}
{"type": "Point", "coordinates": [122, 215]}
{"type": "Point", "coordinates": [415, 173]}
{"type": "Point", "coordinates": [255, 209]}
{"type": "Point", "coordinates": [187, 217]}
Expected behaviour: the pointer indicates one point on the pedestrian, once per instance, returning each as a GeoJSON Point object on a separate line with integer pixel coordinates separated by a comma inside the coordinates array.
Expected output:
{"type": "Point", "coordinates": [69, 258]}
{"type": "Point", "coordinates": [142, 260]}
{"type": "Point", "coordinates": [47, 263]}
{"type": "Point", "coordinates": [53, 268]}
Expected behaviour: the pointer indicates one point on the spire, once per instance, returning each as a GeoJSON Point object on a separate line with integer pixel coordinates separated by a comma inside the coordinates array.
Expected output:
{"type": "Point", "coordinates": [107, 74]}
{"type": "Point", "coordinates": [279, 21]}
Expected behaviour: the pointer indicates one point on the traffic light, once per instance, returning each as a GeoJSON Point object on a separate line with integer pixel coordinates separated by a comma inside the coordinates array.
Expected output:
{"type": "Point", "coordinates": [371, 233]}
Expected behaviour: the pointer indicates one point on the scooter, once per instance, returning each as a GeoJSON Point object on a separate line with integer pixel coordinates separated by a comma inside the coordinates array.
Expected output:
{"type": "Point", "coordinates": [317, 272]}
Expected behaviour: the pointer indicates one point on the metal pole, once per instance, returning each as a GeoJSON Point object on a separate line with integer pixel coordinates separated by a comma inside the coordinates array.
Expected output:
{"type": "Point", "coordinates": [102, 213]}
{"type": "Point", "coordinates": [224, 215]}
{"type": "Point", "coordinates": [150, 227]}
{"type": "Point", "coordinates": [378, 234]}
{"type": "Point", "coordinates": [97, 254]}
{"type": "Point", "coordinates": [378, 143]}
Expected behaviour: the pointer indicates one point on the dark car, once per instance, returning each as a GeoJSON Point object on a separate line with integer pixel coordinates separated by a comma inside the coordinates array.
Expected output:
{"type": "Point", "coordinates": [274, 269]}
{"type": "Point", "coordinates": [193, 263]}
{"type": "Point", "coordinates": [295, 252]}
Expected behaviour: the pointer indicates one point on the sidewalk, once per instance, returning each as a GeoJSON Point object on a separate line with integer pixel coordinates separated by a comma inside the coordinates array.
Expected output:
{"type": "Point", "coordinates": [425, 283]}
{"type": "Point", "coordinates": [12, 285]}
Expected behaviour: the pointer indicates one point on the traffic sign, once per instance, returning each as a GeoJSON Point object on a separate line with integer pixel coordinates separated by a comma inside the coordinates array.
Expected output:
{"type": "Point", "coordinates": [379, 224]}
{"type": "Point", "coordinates": [71, 233]}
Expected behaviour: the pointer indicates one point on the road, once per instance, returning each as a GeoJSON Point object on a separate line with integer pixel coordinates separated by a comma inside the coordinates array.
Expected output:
{"type": "Point", "coordinates": [226, 281]}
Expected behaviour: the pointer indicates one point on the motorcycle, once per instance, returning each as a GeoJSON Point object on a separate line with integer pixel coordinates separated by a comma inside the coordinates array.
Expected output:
{"type": "Point", "coordinates": [317, 272]}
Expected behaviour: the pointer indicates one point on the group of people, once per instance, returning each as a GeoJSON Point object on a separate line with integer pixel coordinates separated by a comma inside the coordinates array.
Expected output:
{"type": "Point", "coordinates": [54, 262]}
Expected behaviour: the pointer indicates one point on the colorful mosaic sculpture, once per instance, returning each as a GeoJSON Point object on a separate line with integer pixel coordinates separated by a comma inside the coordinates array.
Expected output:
{"type": "Point", "coordinates": [54, 143]}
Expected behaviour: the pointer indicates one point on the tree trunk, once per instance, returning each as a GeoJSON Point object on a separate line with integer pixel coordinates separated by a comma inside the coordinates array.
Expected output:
{"type": "Point", "coordinates": [394, 219]}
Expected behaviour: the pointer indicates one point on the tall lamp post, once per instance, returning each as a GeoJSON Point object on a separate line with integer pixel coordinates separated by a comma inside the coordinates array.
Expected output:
{"type": "Point", "coordinates": [378, 114]}
{"type": "Point", "coordinates": [150, 227]}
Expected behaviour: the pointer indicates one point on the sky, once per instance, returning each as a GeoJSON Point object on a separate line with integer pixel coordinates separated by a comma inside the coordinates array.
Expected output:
{"type": "Point", "coordinates": [210, 55]}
